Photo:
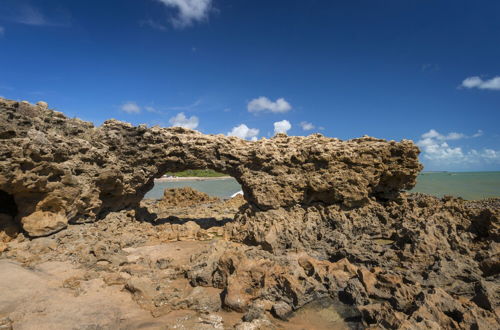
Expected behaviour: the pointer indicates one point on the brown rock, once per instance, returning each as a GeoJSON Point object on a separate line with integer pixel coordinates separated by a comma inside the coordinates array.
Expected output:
{"type": "Point", "coordinates": [49, 162]}
{"type": "Point", "coordinates": [42, 223]}
{"type": "Point", "coordinates": [281, 310]}
{"type": "Point", "coordinates": [318, 214]}
{"type": "Point", "coordinates": [186, 196]}
{"type": "Point", "coordinates": [368, 279]}
{"type": "Point", "coordinates": [8, 228]}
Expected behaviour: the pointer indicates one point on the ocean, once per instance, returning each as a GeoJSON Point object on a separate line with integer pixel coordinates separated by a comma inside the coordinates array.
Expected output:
{"type": "Point", "coordinates": [218, 187]}
{"type": "Point", "coordinates": [468, 185]}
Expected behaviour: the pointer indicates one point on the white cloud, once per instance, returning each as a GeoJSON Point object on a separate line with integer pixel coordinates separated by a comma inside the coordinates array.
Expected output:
{"type": "Point", "coordinates": [243, 132]}
{"type": "Point", "coordinates": [433, 134]}
{"type": "Point", "coordinates": [436, 150]}
{"type": "Point", "coordinates": [181, 120]}
{"type": "Point", "coordinates": [264, 104]}
{"type": "Point", "coordinates": [131, 108]}
{"type": "Point", "coordinates": [306, 126]}
{"type": "Point", "coordinates": [478, 134]}
{"type": "Point", "coordinates": [2, 31]}
{"type": "Point", "coordinates": [151, 109]}
{"type": "Point", "coordinates": [30, 15]}
{"type": "Point", "coordinates": [153, 24]}
{"type": "Point", "coordinates": [189, 11]}
{"type": "Point", "coordinates": [477, 82]}
{"type": "Point", "coordinates": [282, 126]}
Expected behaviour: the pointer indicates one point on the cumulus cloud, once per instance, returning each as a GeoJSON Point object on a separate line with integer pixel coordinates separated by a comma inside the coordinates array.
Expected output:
{"type": "Point", "coordinates": [282, 126]}
{"type": "Point", "coordinates": [435, 135]}
{"type": "Point", "coordinates": [477, 82]}
{"type": "Point", "coordinates": [244, 132]}
{"type": "Point", "coordinates": [264, 104]}
{"type": "Point", "coordinates": [131, 108]}
{"type": "Point", "coordinates": [306, 126]}
{"type": "Point", "coordinates": [189, 11]}
{"type": "Point", "coordinates": [181, 120]}
{"type": "Point", "coordinates": [436, 149]}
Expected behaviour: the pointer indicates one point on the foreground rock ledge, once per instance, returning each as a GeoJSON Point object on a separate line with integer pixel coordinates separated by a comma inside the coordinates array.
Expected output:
{"type": "Point", "coordinates": [71, 169]}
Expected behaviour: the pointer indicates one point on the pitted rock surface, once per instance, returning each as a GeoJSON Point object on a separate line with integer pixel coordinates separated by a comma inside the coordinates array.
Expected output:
{"type": "Point", "coordinates": [184, 197]}
{"type": "Point", "coordinates": [69, 168]}
{"type": "Point", "coordinates": [322, 219]}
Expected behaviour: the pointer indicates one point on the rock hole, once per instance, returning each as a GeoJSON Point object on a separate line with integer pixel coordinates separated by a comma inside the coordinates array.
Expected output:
{"type": "Point", "coordinates": [7, 204]}
{"type": "Point", "coordinates": [455, 315]}
{"type": "Point", "coordinates": [213, 183]}
{"type": "Point", "coordinates": [8, 212]}
{"type": "Point", "coordinates": [203, 198]}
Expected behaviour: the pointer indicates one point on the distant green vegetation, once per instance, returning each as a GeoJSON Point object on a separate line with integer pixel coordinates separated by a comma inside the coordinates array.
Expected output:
{"type": "Point", "coordinates": [197, 173]}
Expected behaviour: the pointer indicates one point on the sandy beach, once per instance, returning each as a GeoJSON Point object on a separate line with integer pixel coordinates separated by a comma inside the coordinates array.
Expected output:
{"type": "Point", "coordinates": [191, 178]}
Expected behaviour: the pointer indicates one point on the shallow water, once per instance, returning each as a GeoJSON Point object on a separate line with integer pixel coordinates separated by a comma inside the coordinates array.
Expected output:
{"type": "Point", "coordinates": [468, 185]}
{"type": "Point", "coordinates": [324, 314]}
{"type": "Point", "coordinates": [219, 187]}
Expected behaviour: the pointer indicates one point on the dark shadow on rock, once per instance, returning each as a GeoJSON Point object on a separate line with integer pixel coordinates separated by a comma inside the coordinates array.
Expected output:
{"type": "Point", "coordinates": [204, 223]}
{"type": "Point", "coordinates": [145, 215]}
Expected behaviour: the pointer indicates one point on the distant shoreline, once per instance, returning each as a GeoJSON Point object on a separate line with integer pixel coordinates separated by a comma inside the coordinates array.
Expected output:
{"type": "Point", "coordinates": [192, 178]}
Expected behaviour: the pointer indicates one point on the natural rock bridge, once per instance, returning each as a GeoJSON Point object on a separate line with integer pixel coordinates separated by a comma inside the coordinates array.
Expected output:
{"type": "Point", "coordinates": [330, 216]}
{"type": "Point", "coordinates": [54, 167]}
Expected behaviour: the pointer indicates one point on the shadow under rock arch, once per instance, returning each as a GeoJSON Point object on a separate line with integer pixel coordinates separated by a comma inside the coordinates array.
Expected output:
{"type": "Point", "coordinates": [143, 211]}
{"type": "Point", "coordinates": [8, 204]}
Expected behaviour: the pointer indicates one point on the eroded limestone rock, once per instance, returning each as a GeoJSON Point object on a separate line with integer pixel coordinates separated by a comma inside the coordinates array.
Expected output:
{"type": "Point", "coordinates": [323, 218]}
{"type": "Point", "coordinates": [183, 197]}
{"type": "Point", "coordinates": [43, 223]}
{"type": "Point", "coordinates": [52, 163]}
{"type": "Point", "coordinates": [412, 263]}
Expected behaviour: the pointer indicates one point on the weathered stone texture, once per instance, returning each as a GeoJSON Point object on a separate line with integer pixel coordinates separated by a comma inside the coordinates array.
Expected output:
{"type": "Point", "coordinates": [322, 218]}
{"type": "Point", "coordinates": [51, 163]}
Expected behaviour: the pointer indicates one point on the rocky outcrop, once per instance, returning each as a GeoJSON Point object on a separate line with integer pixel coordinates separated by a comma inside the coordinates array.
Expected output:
{"type": "Point", "coordinates": [72, 169]}
{"type": "Point", "coordinates": [322, 219]}
{"type": "Point", "coordinates": [432, 263]}
{"type": "Point", "coordinates": [421, 262]}
{"type": "Point", "coordinates": [184, 197]}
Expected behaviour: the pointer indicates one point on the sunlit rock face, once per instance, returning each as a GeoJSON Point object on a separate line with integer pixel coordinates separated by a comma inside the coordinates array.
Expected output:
{"type": "Point", "coordinates": [323, 218]}
{"type": "Point", "coordinates": [68, 167]}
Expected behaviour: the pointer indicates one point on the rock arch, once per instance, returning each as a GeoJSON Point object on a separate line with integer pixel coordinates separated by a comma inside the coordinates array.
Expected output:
{"type": "Point", "coordinates": [54, 165]}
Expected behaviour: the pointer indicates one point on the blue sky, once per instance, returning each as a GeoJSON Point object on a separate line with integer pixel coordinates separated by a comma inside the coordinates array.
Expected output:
{"type": "Point", "coordinates": [426, 70]}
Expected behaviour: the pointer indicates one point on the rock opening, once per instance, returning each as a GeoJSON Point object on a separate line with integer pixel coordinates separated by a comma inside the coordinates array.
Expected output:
{"type": "Point", "coordinates": [323, 218]}
{"type": "Point", "coordinates": [8, 204]}
{"type": "Point", "coordinates": [111, 167]}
